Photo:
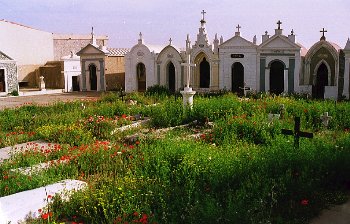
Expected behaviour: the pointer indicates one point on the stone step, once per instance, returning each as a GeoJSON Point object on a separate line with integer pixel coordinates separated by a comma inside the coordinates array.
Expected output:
{"type": "Point", "coordinates": [16, 207]}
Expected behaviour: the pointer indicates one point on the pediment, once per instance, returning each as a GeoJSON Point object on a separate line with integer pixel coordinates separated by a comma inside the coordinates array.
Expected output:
{"type": "Point", "coordinates": [279, 42]}
{"type": "Point", "coordinates": [5, 57]}
{"type": "Point", "coordinates": [90, 49]}
{"type": "Point", "coordinates": [237, 41]}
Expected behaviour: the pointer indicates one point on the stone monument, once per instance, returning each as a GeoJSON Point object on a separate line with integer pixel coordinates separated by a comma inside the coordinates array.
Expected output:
{"type": "Point", "coordinates": [42, 84]}
{"type": "Point", "coordinates": [188, 93]}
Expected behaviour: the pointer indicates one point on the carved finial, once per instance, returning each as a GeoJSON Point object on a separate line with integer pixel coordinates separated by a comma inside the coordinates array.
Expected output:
{"type": "Point", "coordinates": [140, 35]}
{"type": "Point", "coordinates": [266, 32]}
{"type": "Point", "coordinates": [279, 24]}
{"type": "Point", "coordinates": [323, 36]}
{"type": "Point", "coordinates": [292, 32]}
{"type": "Point", "coordinates": [221, 40]}
{"type": "Point", "coordinates": [170, 41]}
{"type": "Point", "coordinates": [188, 37]}
{"type": "Point", "coordinates": [254, 39]}
{"type": "Point", "coordinates": [93, 39]}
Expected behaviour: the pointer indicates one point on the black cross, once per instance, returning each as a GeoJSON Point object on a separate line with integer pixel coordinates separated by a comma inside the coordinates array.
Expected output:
{"type": "Point", "coordinates": [203, 12]}
{"type": "Point", "coordinates": [297, 133]}
{"type": "Point", "coordinates": [238, 27]}
{"type": "Point", "coordinates": [323, 31]}
{"type": "Point", "coordinates": [279, 24]}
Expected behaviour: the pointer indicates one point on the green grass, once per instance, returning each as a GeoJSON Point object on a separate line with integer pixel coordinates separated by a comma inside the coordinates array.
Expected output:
{"type": "Point", "coordinates": [240, 171]}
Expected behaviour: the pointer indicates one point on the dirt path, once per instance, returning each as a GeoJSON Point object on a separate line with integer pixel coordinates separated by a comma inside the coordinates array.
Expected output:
{"type": "Point", "coordinates": [339, 214]}
{"type": "Point", "coordinates": [13, 102]}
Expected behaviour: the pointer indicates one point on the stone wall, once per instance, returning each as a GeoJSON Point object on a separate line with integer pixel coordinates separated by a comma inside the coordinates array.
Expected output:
{"type": "Point", "coordinates": [53, 75]}
{"type": "Point", "coordinates": [11, 75]}
{"type": "Point", "coordinates": [115, 73]}
{"type": "Point", "coordinates": [64, 44]}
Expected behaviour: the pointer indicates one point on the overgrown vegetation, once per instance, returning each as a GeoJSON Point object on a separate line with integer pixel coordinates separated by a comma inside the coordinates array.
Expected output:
{"type": "Point", "coordinates": [239, 170]}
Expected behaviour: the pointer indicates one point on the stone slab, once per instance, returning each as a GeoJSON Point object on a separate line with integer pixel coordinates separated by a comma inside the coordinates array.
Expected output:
{"type": "Point", "coordinates": [14, 208]}
{"type": "Point", "coordinates": [5, 153]}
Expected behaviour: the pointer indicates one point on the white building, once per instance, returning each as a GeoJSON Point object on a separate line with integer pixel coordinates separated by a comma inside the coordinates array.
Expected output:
{"type": "Point", "coordinates": [278, 65]}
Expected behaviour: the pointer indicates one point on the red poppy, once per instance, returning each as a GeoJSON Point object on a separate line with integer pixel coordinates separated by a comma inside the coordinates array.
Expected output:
{"type": "Point", "coordinates": [137, 142]}
{"type": "Point", "coordinates": [39, 210]}
{"type": "Point", "coordinates": [304, 202]}
{"type": "Point", "coordinates": [136, 214]}
{"type": "Point", "coordinates": [49, 196]}
{"type": "Point", "coordinates": [45, 216]}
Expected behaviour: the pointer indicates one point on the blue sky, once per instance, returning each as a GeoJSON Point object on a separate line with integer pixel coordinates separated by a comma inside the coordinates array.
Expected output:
{"type": "Point", "coordinates": [159, 20]}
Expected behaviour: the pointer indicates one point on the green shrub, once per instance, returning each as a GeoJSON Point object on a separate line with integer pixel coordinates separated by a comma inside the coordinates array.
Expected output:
{"type": "Point", "coordinates": [70, 134]}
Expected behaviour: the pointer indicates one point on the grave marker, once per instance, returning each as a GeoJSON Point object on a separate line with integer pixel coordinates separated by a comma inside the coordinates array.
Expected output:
{"type": "Point", "coordinates": [297, 133]}
{"type": "Point", "coordinates": [325, 119]}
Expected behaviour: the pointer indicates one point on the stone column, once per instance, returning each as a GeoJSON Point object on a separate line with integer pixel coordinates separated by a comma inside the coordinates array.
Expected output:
{"type": "Point", "coordinates": [346, 78]}
{"type": "Point", "coordinates": [83, 75]}
{"type": "Point", "coordinates": [267, 79]}
{"type": "Point", "coordinates": [285, 81]}
{"type": "Point", "coordinates": [102, 76]}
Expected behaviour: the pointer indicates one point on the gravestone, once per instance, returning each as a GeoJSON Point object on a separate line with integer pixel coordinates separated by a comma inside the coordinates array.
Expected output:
{"type": "Point", "coordinates": [188, 93]}
{"type": "Point", "coordinates": [42, 84]}
{"type": "Point", "coordinates": [325, 119]}
{"type": "Point", "coordinates": [273, 117]}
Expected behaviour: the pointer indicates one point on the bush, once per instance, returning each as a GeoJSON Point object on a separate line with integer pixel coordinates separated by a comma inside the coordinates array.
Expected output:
{"type": "Point", "coordinates": [73, 134]}
{"type": "Point", "coordinates": [157, 91]}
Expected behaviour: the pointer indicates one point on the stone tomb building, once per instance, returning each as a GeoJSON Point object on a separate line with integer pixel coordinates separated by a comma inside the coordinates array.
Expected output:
{"type": "Point", "coordinates": [8, 74]}
{"type": "Point", "coordinates": [277, 65]}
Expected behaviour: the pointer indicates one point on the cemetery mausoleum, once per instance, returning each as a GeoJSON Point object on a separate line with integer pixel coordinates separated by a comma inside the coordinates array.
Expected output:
{"type": "Point", "coordinates": [277, 65]}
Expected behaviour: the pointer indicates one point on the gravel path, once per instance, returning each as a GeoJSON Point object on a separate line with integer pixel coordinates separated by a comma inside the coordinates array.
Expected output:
{"type": "Point", "coordinates": [13, 102]}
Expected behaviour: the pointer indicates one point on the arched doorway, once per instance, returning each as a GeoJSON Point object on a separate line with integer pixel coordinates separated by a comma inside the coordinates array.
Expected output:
{"type": "Point", "coordinates": [2, 81]}
{"type": "Point", "coordinates": [321, 81]}
{"type": "Point", "coordinates": [277, 77]}
{"type": "Point", "coordinates": [141, 77]}
{"type": "Point", "coordinates": [204, 71]}
{"type": "Point", "coordinates": [237, 80]}
{"type": "Point", "coordinates": [93, 77]}
{"type": "Point", "coordinates": [171, 76]}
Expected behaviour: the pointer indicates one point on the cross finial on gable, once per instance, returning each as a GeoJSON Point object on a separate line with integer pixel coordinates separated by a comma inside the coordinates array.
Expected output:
{"type": "Point", "coordinates": [203, 13]}
{"type": "Point", "coordinates": [323, 36]}
{"type": "Point", "coordinates": [279, 24]}
{"type": "Point", "coordinates": [238, 27]}
{"type": "Point", "coordinates": [140, 35]}
{"type": "Point", "coordinates": [170, 41]}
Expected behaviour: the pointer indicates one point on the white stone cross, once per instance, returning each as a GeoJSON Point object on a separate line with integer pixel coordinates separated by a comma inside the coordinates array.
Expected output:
{"type": "Point", "coordinates": [188, 65]}
{"type": "Point", "coordinates": [325, 119]}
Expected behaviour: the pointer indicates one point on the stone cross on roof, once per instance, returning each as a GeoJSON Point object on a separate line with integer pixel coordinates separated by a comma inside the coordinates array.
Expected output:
{"type": "Point", "coordinates": [203, 13]}
{"type": "Point", "coordinates": [170, 41]}
{"type": "Point", "coordinates": [238, 27]}
{"type": "Point", "coordinates": [323, 31]}
{"type": "Point", "coordinates": [279, 24]}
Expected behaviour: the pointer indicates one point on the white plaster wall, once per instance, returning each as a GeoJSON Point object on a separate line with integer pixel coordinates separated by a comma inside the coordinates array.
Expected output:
{"type": "Point", "coordinates": [249, 63]}
{"type": "Point", "coordinates": [71, 68]}
{"type": "Point", "coordinates": [139, 54]}
{"type": "Point", "coordinates": [164, 60]}
{"type": "Point", "coordinates": [26, 45]}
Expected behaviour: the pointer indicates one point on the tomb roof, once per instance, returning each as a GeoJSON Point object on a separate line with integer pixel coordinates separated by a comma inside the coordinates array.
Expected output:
{"type": "Point", "coordinates": [118, 51]}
